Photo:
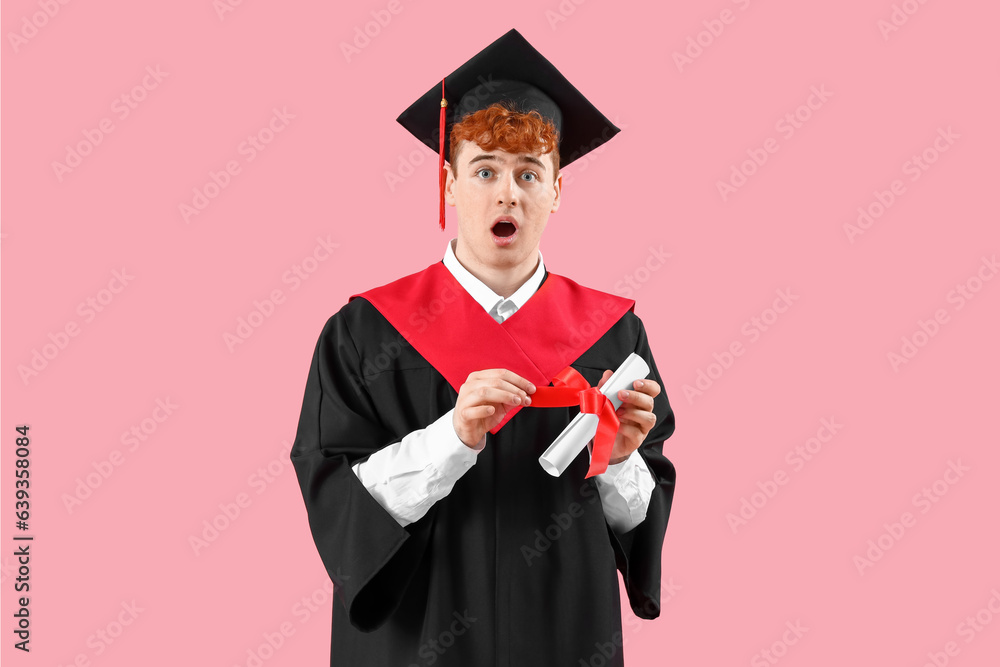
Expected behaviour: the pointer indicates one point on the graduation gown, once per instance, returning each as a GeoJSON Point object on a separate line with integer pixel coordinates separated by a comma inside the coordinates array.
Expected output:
{"type": "Point", "coordinates": [514, 567]}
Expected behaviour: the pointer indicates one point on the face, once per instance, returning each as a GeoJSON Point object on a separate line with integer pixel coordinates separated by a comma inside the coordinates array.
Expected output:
{"type": "Point", "coordinates": [503, 202]}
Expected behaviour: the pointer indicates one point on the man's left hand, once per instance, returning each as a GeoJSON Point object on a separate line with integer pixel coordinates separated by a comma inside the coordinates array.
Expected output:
{"type": "Point", "coordinates": [635, 416]}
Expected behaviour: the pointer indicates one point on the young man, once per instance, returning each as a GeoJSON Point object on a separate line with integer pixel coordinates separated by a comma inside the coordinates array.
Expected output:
{"type": "Point", "coordinates": [418, 443]}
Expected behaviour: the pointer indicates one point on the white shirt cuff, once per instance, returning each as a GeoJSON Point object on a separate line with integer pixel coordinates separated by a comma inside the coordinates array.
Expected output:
{"type": "Point", "coordinates": [625, 489]}
{"type": "Point", "coordinates": [409, 476]}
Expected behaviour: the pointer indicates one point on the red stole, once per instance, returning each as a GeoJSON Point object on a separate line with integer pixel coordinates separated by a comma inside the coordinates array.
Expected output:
{"type": "Point", "coordinates": [449, 328]}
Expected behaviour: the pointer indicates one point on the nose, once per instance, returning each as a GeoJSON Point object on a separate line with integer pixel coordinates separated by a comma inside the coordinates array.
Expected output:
{"type": "Point", "coordinates": [507, 191]}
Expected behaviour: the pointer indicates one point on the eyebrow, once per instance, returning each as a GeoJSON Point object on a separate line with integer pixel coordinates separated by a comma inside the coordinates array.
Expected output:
{"type": "Point", "coordinates": [521, 158]}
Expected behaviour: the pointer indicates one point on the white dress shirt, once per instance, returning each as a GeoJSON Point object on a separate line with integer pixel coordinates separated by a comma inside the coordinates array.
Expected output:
{"type": "Point", "coordinates": [409, 476]}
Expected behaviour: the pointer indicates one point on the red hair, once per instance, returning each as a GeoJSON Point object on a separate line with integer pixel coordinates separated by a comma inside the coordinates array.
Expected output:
{"type": "Point", "coordinates": [501, 126]}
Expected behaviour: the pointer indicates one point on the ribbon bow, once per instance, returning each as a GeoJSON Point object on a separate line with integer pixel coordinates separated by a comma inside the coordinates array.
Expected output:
{"type": "Point", "coordinates": [569, 389]}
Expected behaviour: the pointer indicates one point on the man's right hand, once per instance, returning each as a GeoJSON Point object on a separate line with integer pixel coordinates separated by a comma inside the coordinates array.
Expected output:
{"type": "Point", "coordinates": [484, 399]}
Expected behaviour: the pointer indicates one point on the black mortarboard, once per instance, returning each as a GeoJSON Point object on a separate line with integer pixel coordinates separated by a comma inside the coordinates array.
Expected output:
{"type": "Point", "coordinates": [508, 69]}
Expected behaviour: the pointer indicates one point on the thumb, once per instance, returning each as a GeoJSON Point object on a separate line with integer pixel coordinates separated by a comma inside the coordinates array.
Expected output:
{"type": "Point", "coordinates": [500, 411]}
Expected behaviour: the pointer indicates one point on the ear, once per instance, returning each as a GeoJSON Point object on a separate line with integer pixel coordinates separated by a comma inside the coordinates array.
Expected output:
{"type": "Point", "coordinates": [558, 188]}
{"type": "Point", "coordinates": [449, 183]}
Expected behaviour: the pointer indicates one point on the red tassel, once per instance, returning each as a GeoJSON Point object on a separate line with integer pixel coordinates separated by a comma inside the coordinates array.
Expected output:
{"type": "Point", "coordinates": [441, 179]}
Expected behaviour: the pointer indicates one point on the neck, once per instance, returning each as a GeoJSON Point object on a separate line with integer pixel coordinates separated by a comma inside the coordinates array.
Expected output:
{"type": "Point", "coordinates": [504, 280]}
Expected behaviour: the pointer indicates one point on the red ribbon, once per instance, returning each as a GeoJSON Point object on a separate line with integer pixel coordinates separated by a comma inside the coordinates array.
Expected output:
{"type": "Point", "coordinates": [569, 389]}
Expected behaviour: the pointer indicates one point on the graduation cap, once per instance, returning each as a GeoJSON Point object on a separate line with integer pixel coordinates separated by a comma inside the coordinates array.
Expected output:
{"type": "Point", "coordinates": [513, 70]}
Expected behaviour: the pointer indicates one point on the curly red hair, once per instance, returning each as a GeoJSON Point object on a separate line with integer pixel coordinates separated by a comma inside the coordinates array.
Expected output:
{"type": "Point", "coordinates": [502, 126]}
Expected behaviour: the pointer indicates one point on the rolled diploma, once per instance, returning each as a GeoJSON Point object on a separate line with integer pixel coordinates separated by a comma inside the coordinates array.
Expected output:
{"type": "Point", "coordinates": [578, 433]}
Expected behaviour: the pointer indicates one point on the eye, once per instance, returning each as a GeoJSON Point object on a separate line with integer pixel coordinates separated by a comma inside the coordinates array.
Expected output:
{"type": "Point", "coordinates": [482, 170]}
{"type": "Point", "coordinates": [532, 174]}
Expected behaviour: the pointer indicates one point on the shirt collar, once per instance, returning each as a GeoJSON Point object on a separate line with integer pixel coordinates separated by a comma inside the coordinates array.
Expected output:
{"type": "Point", "coordinates": [479, 291]}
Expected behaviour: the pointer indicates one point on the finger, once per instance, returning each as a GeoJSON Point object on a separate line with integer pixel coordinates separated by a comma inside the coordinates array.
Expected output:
{"type": "Point", "coordinates": [517, 380]}
{"type": "Point", "coordinates": [498, 382]}
{"type": "Point", "coordinates": [504, 374]}
{"type": "Point", "coordinates": [477, 412]}
{"type": "Point", "coordinates": [604, 378]}
{"type": "Point", "coordinates": [487, 394]}
{"type": "Point", "coordinates": [648, 387]}
{"type": "Point", "coordinates": [641, 419]}
{"type": "Point", "coordinates": [632, 434]}
{"type": "Point", "coordinates": [636, 398]}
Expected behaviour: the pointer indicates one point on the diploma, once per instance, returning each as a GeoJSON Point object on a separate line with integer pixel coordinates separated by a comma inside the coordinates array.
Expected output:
{"type": "Point", "coordinates": [578, 433]}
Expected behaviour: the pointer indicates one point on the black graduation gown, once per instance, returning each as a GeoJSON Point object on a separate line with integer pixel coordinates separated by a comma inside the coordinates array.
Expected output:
{"type": "Point", "coordinates": [514, 567]}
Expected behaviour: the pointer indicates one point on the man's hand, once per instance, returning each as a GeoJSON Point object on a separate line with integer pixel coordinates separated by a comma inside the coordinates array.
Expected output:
{"type": "Point", "coordinates": [484, 399]}
{"type": "Point", "coordinates": [635, 415]}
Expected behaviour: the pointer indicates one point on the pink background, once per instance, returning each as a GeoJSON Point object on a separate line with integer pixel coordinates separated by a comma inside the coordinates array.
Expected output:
{"type": "Point", "coordinates": [652, 188]}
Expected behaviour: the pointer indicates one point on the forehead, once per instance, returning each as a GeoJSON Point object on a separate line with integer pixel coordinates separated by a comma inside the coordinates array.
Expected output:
{"type": "Point", "coordinates": [472, 153]}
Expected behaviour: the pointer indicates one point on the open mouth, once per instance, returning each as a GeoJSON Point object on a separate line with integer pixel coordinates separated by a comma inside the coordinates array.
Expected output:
{"type": "Point", "coordinates": [504, 229]}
